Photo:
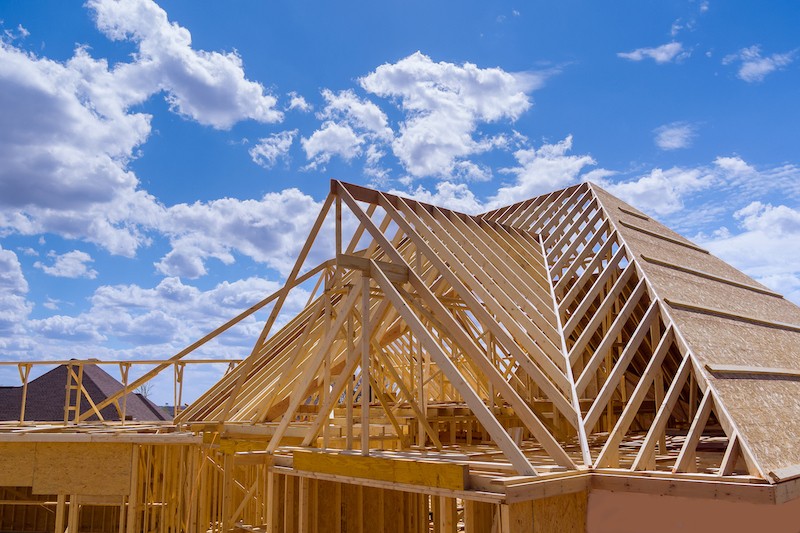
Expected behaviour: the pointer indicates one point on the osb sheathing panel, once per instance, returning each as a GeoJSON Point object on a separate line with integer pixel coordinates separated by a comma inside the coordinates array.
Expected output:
{"type": "Point", "coordinates": [16, 464]}
{"type": "Point", "coordinates": [725, 341]}
{"type": "Point", "coordinates": [767, 412]}
{"type": "Point", "coordinates": [653, 247]}
{"type": "Point", "coordinates": [82, 468]}
{"type": "Point", "coordinates": [644, 244]}
{"type": "Point", "coordinates": [765, 409]}
{"type": "Point", "coordinates": [682, 287]}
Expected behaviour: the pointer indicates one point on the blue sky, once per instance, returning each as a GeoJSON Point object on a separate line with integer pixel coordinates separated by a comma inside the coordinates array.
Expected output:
{"type": "Point", "coordinates": [162, 163]}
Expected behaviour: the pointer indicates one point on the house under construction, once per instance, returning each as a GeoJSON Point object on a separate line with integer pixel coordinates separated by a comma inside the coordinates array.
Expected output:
{"type": "Point", "coordinates": [562, 364]}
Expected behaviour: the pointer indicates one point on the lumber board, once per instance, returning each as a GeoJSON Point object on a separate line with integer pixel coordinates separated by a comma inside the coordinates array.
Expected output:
{"type": "Point", "coordinates": [442, 475]}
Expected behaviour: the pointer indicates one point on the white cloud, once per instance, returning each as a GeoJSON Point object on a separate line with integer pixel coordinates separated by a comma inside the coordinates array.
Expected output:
{"type": "Point", "coordinates": [346, 106]}
{"type": "Point", "coordinates": [766, 248]}
{"type": "Point", "coordinates": [443, 104]}
{"type": "Point", "coordinates": [157, 321]}
{"type": "Point", "coordinates": [14, 308]}
{"type": "Point", "coordinates": [332, 139]}
{"type": "Point", "coordinates": [541, 170]}
{"type": "Point", "coordinates": [753, 67]}
{"type": "Point", "coordinates": [68, 133]}
{"type": "Point", "coordinates": [455, 196]}
{"type": "Point", "coordinates": [269, 149]}
{"type": "Point", "coordinates": [296, 101]}
{"type": "Point", "coordinates": [352, 126]}
{"type": "Point", "coordinates": [74, 264]}
{"type": "Point", "coordinates": [270, 231]}
{"type": "Point", "coordinates": [64, 157]}
{"type": "Point", "coordinates": [666, 53]}
{"type": "Point", "coordinates": [662, 192]}
{"type": "Point", "coordinates": [209, 87]}
{"type": "Point", "coordinates": [675, 135]}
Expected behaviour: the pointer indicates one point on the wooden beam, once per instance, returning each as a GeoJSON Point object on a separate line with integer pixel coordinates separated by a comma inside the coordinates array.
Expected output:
{"type": "Point", "coordinates": [722, 371]}
{"type": "Point", "coordinates": [427, 473]}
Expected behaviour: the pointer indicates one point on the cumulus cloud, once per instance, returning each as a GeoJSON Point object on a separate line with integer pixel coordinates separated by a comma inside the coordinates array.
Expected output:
{"type": "Point", "coordinates": [666, 53]}
{"type": "Point", "coordinates": [65, 157]}
{"type": "Point", "coordinates": [352, 126]}
{"type": "Point", "coordinates": [268, 150]}
{"type": "Point", "coordinates": [69, 133]}
{"type": "Point", "coordinates": [541, 170]}
{"type": "Point", "coordinates": [766, 248]}
{"type": "Point", "coordinates": [157, 321]}
{"type": "Point", "coordinates": [270, 231]}
{"type": "Point", "coordinates": [209, 87]}
{"type": "Point", "coordinates": [675, 135]}
{"type": "Point", "coordinates": [753, 67]}
{"type": "Point", "coordinates": [14, 308]}
{"type": "Point", "coordinates": [297, 101]}
{"type": "Point", "coordinates": [74, 264]}
{"type": "Point", "coordinates": [444, 104]}
{"type": "Point", "coordinates": [455, 196]}
{"type": "Point", "coordinates": [346, 106]}
{"type": "Point", "coordinates": [662, 192]}
{"type": "Point", "coordinates": [332, 139]}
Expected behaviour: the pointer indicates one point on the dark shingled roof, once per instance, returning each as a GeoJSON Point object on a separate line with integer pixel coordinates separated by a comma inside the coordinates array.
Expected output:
{"type": "Point", "coordinates": [46, 394]}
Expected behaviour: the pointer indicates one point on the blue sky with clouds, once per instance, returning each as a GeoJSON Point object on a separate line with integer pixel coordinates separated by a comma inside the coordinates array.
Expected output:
{"type": "Point", "coordinates": [162, 162]}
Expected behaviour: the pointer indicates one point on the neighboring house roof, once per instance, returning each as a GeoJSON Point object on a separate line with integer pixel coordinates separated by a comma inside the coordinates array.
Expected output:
{"type": "Point", "coordinates": [46, 397]}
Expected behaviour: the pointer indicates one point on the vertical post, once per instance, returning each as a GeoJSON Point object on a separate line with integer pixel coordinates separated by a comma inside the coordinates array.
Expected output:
{"type": "Point", "coordinates": [326, 362]}
{"type": "Point", "coordinates": [421, 398]}
{"type": "Point", "coordinates": [24, 372]}
{"type": "Point", "coordinates": [133, 497]}
{"type": "Point", "coordinates": [659, 397]}
{"type": "Point", "coordinates": [349, 393]}
{"type": "Point", "coordinates": [73, 524]}
{"type": "Point", "coordinates": [365, 351]}
{"type": "Point", "coordinates": [61, 504]}
{"type": "Point", "coordinates": [227, 491]}
{"type": "Point", "coordinates": [447, 519]}
{"type": "Point", "coordinates": [273, 503]}
{"type": "Point", "coordinates": [303, 511]}
{"type": "Point", "coordinates": [78, 388]}
{"type": "Point", "coordinates": [124, 368]}
{"type": "Point", "coordinates": [68, 397]}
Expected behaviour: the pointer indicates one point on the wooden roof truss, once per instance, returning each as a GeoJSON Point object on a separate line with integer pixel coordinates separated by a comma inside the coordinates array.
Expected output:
{"type": "Point", "coordinates": [534, 323]}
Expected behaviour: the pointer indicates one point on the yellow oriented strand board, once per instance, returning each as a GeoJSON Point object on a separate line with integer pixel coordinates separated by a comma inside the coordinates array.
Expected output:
{"type": "Point", "coordinates": [451, 476]}
{"type": "Point", "coordinates": [16, 464]}
{"type": "Point", "coordinates": [561, 514]}
{"type": "Point", "coordinates": [82, 468]}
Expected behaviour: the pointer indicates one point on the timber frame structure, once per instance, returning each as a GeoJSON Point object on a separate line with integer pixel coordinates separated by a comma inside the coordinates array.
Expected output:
{"type": "Point", "coordinates": [448, 370]}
